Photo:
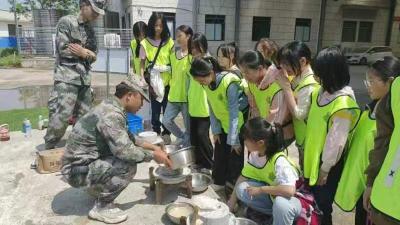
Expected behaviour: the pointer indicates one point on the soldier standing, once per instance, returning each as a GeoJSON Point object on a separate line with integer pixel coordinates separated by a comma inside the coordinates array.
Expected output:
{"type": "Point", "coordinates": [76, 49]}
{"type": "Point", "coordinates": [102, 155]}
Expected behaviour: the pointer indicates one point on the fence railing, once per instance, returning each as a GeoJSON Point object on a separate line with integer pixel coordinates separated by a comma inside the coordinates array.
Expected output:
{"type": "Point", "coordinates": [41, 41]}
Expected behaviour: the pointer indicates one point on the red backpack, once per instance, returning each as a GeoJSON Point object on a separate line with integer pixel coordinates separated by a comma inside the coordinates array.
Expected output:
{"type": "Point", "coordinates": [310, 213]}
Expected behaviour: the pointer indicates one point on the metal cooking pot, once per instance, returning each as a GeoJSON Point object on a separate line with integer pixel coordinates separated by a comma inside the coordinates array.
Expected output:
{"type": "Point", "coordinates": [200, 182]}
{"type": "Point", "coordinates": [182, 157]}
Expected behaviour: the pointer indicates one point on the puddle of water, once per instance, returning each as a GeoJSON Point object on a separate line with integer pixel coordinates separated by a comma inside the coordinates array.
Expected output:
{"type": "Point", "coordinates": [34, 96]}
{"type": "Point", "coordinates": [38, 96]}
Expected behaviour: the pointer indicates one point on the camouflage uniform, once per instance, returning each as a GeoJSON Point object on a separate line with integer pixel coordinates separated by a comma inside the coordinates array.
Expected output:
{"type": "Point", "coordinates": [100, 152]}
{"type": "Point", "coordinates": [71, 94]}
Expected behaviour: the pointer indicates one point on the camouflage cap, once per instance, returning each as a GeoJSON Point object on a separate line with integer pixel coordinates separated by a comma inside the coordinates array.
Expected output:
{"type": "Point", "coordinates": [138, 86]}
{"type": "Point", "coordinates": [98, 6]}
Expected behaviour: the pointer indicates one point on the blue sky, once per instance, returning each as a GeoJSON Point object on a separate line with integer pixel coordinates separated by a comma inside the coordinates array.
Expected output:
{"type": "Point", "coordinates": [4, 5]}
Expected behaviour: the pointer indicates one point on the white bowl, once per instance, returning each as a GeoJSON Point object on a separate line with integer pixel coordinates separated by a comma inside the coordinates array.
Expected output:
{"type": "Point", "coordinates": [148, 136]}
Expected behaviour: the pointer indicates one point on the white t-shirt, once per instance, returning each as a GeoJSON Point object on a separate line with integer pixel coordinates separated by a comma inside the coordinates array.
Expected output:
{"type": "Point", "coordinates": [285, 173]}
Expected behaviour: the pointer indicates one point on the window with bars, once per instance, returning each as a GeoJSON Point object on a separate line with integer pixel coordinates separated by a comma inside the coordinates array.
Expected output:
{"type": "Point", "coordinates": [360, 31]}
{"type": "Point", "coordinates": [215, 27]}
{"type": "Point", "coordinates": [261, 27]}
{"type": "Point", "coordinates": [302, 30]}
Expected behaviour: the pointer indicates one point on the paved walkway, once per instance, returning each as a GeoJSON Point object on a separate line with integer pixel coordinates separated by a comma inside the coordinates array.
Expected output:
{"type": "Point", "coordinates": [19, 77]}
{"type": "Point", "coordinates": [29, 198]}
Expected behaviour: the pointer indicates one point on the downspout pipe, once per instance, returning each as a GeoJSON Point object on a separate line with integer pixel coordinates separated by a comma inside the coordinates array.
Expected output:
{"type": "Point", "coordinates": [390, 22]}
{"type": "Point", "coordinates": [196, 7]}
{"type": "Point", "coordinates": [321, 24]}
{"type": "Point", "coordinates": [237, 22]}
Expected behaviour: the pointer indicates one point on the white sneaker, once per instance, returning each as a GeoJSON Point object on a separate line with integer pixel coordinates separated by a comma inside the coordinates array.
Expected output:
{"type": "Point", "coordinates": [108, 214]}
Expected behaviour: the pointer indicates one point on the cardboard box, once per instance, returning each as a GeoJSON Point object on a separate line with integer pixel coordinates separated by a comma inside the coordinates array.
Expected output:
{"type": "Point", "coordinates": [49, 161]}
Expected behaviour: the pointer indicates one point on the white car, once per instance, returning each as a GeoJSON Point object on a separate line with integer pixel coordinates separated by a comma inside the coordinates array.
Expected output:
{"type": "Point", "coordinates": [368, 54]}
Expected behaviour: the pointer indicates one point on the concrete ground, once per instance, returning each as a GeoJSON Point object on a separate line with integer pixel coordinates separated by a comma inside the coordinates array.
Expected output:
{"type": "Point", "coordinates": [29, 198]}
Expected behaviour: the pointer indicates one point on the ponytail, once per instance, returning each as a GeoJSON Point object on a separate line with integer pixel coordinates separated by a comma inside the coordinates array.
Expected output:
{"type": "Point", "coordinates": [258, 129]}
{"type": "Point", "coordinates": [202, 67]}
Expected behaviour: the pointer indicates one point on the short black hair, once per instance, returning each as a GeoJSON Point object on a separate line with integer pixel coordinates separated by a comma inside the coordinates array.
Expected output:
{"type": "Point", "coordinates": [139, 28]}
{"type": "Point", "coordinates": [199, 42]}
{"type": "Point", "coordinates": [202, 67]}
{"type": "Point", "coordinates": [122, 89]}
{"type": "Point", "coordinates": [227, 49]}
{"type": "Point", "coordinates": [386, 68]}
{"type": "Point", "coordinates": [165, 34]}
{"type": "Point", "coordinates": [330, 66]}
{"type": "Point", "coordinates": [253, 59]}
{"type": "Point", "coordinates": [291, 53]}
{"type": "Point", "coordinates": [257, 129]}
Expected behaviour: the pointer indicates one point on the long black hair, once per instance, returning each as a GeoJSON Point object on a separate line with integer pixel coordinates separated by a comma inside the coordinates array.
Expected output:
{"type": "Point", "coordinates": [139, 28]}
{"type": "Point", "coordinates": [386, 68]}
{"type": "Point", "coordinates": [259, 129]}
{"type": "Point", "coordinates": [291, 53]}
{"type": "Point", "coordinates": [202, 67]}
{"type": "Point", "coordinates": [331, 67]}
{"type": "Point", "coordinates": [253, 60]}
{"type": "Point", "coordinates": [199, 41]}
{"type": "Point", "coordinates": [228, 49]}
{"type": "Point", "coordinates": [165, 34]}
{"type": "Point", "coordinates": [188, 31]}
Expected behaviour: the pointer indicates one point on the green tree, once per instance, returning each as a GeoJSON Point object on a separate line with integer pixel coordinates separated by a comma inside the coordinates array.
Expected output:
{"type": "Point", "coordinates": [27, 6]}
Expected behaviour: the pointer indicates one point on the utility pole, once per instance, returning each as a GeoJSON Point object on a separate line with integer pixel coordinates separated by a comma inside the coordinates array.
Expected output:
{"type": "Point", "coordinates": [16, 25]}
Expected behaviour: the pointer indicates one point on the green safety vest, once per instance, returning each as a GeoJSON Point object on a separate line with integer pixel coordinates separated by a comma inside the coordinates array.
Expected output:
{"type": "Point", "coordinates": [218, 100]}
{"type": "Point", "coordinates": [264, 174]}
{"type": "Point", "coordinates": [318, 125]}
{"type": "Point", "coordinates": [135, 58]}
{"type": "Point", "coordinates": [385, 196]}
{"type": "Point", "coordinates": [179, 77]}
{"type": "Point", "coordinates": [300, 126]}
{"type": "Point", "coordinates": [197, 100]}
{"type": "Point", "coordinates": [163, 57]}
{"type": "Point", "coordinates": [353, 180]}
{"type": "Point", "coordinates": [264, 98]}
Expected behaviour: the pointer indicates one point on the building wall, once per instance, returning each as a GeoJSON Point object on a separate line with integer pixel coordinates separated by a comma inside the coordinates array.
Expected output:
{"type": "Point", "coordinates": [283, 19]}
{"type": "Point", "coordinates": [3, 29]}
{"type": "Point", "coordinates": [283, 15]}
{"type": "Point", "coordinates": [395, 38]}
{"type": "Point", "coordinates": [334, 23]}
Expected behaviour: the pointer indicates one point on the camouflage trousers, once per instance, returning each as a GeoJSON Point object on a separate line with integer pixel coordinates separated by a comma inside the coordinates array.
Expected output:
{"type": "Point", "coordinates": [66, 100]}
{"type": "Point", "coordinates": [105, 179]}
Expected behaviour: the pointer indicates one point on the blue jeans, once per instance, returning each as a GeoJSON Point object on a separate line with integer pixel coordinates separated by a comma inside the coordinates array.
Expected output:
{"type": "Point", "coordinates": [283, 210]}
{"type": "Point", "coordinates": [171, 112]}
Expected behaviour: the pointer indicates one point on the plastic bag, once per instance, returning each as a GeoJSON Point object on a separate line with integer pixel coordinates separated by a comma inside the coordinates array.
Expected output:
{"type": "Point", "coordinates": [157, 84]}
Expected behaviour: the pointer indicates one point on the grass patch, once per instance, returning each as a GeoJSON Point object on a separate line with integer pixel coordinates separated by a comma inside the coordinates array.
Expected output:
{"type": "Point", "coordinates": [15, 118]}
{"type": "Point", "coordinates": [11, 61]}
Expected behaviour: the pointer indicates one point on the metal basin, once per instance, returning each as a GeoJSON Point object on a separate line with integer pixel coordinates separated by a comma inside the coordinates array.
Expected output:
{"type": "Point", "coordinates": [170, 148]}
{"type": "Point", "coordinates": [177, 210]}
{"type": "Point", "coordinates": [182, 157]}
{"type": "Point", "coordinates": [244, 221]}
{"type": "Point", "coordinates": [200, 182]}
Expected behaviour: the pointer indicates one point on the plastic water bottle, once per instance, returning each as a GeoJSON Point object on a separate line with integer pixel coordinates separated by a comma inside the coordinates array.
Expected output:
{"type": "Point", "coordinates": [40, 122]}
{"type": "Point", "coordinates": [27, 128]}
